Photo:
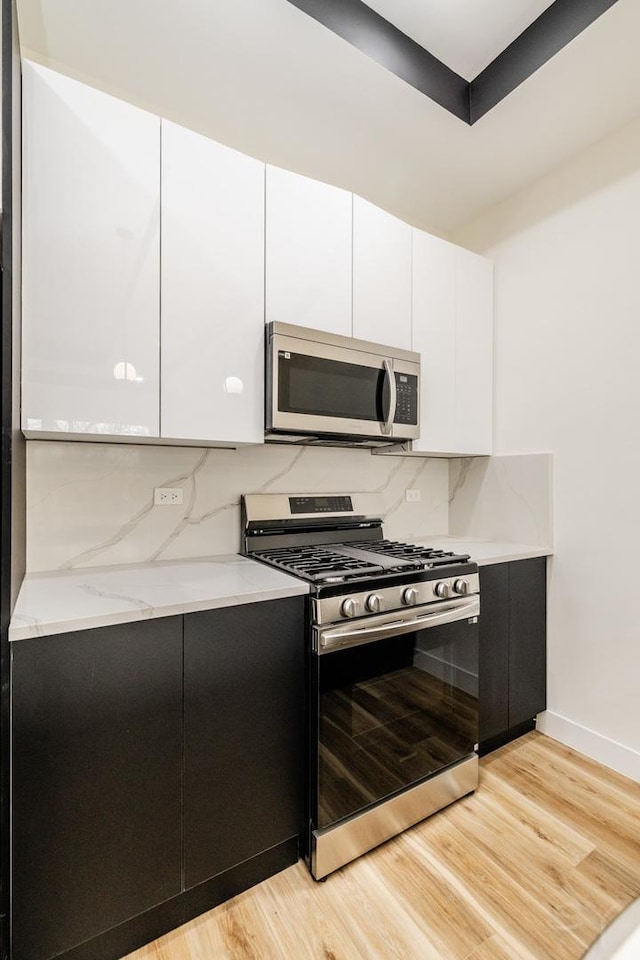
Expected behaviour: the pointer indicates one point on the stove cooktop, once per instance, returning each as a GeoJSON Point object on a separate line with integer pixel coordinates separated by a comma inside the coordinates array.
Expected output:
{"type": "Point", "coordinates": [337, 563]}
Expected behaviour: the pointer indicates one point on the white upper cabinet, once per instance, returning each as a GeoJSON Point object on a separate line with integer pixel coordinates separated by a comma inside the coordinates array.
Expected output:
{"type": "Point", "coordinates": [434, 337]}
{"type": "Point", "coordinates": [91, 260]}
{"type": "Point", "coordinates": [212, 291]}
{"type": "Point", "coordinates": [453, 331]}
{"type": "Point", "coordinates": [308, 253]}
{"type": "Point", "coordinates": [152, 256]}
{"type": "Point", "coordinates": [474, 353]}
{"type": "Point", "coordinates": [381, 276]}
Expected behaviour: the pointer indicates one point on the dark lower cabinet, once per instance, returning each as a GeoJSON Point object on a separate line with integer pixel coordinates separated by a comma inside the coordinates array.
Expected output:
{"type": "Point", "coordinates": [527, 639]}
{"type": "Point", "coordinates": [513, 631]}
{"type": "Point", "coordinates": [493, 700]}
{"type": "Point", "coordinates": [244, 683]}
{"type": "Point", "coordinates": [158, 769]}
{"type": "Point", "coordinates": [97, 780]}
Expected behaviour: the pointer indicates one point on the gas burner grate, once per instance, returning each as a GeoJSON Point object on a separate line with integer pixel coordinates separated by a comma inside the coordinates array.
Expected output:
{"type": "Point", "coordinates": [317, 563]}
{"type": "Point", "coordinates": [423, 556]}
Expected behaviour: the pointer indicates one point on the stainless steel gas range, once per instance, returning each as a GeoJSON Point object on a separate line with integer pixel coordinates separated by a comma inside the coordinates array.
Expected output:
{"type": "Point", "coordinates": [393, 668]}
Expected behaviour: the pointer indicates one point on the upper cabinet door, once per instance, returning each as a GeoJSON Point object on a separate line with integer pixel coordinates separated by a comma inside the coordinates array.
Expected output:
{"type": "Point", "coordinates": [474, 353]}
{"type": "Point", "coordinates": [453, 331]}
{"type": "Point", "coordinates": [434, 337]}
{"type": "Point", "coordinates": [91, 260]}
{"type": "Point", "coordinates": [308, 253]}
{"type": "Point", "coordinates": [212, 291]}
{"type": "Point", "coordinates": [381, 276]}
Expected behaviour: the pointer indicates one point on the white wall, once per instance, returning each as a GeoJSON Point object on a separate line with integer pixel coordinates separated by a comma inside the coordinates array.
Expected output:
{"type": "Point", "coordinates": [567, 366]}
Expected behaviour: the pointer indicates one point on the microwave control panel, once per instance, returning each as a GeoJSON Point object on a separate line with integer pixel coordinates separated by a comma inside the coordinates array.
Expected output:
{"type": "Point", "coordinates": [407, 398]}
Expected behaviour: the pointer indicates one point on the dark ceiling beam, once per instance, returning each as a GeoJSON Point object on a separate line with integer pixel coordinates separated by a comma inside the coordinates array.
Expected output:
{"type": "Point", "coordinates": [557, 26]}
{"type": "Point", "coordinates": [374, 36]}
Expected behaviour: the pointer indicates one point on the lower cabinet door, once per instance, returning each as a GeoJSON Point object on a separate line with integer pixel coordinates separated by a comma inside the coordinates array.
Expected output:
{"type": "Point", "coordinates": [97, 768]}
{"type": "Point", "coordinates": [527, 639]}
{"type": "Point", "coordinates": [513, 645]}
{"type": "Point", "coordinates": [244, 728]}
{"type": "Point", "coordinates": [494, 651]}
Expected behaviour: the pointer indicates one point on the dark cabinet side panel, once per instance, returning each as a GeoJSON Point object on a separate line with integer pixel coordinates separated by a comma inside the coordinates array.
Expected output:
{"type": "Point", "coordinates": [244, 727]}
{"type": "Point", "coordinates": [494, 650]}
{"type": "Point", "coordinates": [97, 767]}
{"type": "Point", "coordinates": [527, 635]}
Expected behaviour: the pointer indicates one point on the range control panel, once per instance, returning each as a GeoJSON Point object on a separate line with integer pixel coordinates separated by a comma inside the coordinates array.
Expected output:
{"type": "Point", "coordinates": [320, 505]}
{"type": "Point", "coordinates": [387, 599]}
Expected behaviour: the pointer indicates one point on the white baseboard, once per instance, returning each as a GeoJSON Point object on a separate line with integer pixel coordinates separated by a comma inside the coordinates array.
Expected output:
{"type": "Point", "coordinates": [608, 752]}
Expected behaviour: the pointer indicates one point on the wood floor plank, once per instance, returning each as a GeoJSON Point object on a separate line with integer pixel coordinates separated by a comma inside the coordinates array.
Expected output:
{"type": "Point", "coordinates": [599, 814]}
{"type": "Point", "coordinates": [543, 824]}
{"type": "Point", "coordinates": [494, 948]}
{"type": "Point", "coordinates": [434, 905]}
{"type": "Point", "coordinates": [533, 866]}
{"type": "Point", "coordinates": [540, 872]}
{"type": "Point", "coordinates": [501, 893]}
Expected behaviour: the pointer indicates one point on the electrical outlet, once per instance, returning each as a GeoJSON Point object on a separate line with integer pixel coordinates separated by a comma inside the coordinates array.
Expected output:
{"type": "Point", "coordinates": [167, 496]}
{"type": "Point", "coordinates": [413, 496]}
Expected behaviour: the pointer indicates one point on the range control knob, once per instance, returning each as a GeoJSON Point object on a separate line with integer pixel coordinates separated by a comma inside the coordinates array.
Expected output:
{"type": "Point", "coordinates": [443, 590]}
{"type": "Point", "coordinates": [351, 607]}
{"type": "Point", "coordinates": [410, 596]}
{"type": "Point", "coordinates": [461, 587]}
{"type": "Point", "coordinates": [374, 603]}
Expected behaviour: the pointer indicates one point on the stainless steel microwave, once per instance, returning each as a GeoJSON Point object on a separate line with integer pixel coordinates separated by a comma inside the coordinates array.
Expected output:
{"type": "Point", "coordinates": [325, 389]}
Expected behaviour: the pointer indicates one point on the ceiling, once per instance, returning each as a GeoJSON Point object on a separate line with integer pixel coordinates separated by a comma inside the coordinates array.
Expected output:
{"type": "Point", "coordinates": [262, 76]}
{"type": "Point", "coordinates": [465, 34]}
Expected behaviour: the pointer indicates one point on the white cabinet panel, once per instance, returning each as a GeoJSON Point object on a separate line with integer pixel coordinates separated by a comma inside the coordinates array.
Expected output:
{"type": "Point", "coordinates": [308, 253]}
{"type": "Point", "coordinates": [381, 276]}
{"type": "Point", "coordinates": [91, 260]}
{"type": "Point", "coordinates": [212, 291]}
{"type": "Point", "coordinates": [474, 353]}
{"type": "Point", "coordinates": [453, 332]}
{"type": "Point", "coordinates": [434, 337]}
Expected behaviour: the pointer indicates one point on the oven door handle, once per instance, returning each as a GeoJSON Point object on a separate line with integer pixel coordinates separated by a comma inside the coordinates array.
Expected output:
{"type": "Point", "coordinates": [338, 638]}
{"type": "Point", "coordinates": [387, 426]}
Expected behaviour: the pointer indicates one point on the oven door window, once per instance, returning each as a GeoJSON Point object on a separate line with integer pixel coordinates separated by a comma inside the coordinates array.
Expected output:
{"type": "Point", "coordinates": [321, 387]}
{"type": "Point", "coordinates": [391, 714]}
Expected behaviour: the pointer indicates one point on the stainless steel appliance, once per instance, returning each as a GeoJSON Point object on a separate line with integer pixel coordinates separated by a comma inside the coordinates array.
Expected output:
{"type": "Point", "coordinates": [392, 637]}
{"type": "Point", "coordinates": [326, 389]}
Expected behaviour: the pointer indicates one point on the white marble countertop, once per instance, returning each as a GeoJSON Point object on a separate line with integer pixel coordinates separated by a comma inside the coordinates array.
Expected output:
{"type": "Point", "coordinates": [98, 596]}
{"type": "Point", "coordinates": [487, 551]}
{"type": "Point", "coordinates": [60, 602]}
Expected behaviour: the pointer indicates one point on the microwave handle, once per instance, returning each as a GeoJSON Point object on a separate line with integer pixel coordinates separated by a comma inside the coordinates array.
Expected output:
{"type": "Point", "coordinates": [387, 426]}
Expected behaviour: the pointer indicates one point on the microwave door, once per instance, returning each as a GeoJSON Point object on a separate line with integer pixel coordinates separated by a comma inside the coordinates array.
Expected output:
{"type": "Point", "coordinates": [319, 388]}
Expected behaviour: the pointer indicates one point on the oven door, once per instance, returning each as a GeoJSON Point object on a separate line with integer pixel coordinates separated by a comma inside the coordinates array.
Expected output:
{"type": "Point", "coordinates": [394, 702]}
{"type": "Point", "coordinates": [321, 388]}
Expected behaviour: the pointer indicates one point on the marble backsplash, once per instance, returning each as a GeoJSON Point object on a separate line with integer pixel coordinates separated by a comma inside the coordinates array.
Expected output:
{"type": "Point", "coordinates": [91, 504]}
{"type": "Point", "coordinates": [507, 498]}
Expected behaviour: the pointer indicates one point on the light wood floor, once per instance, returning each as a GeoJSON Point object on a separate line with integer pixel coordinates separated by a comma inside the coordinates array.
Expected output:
{"type": "Point", "coordinates": [533, 866]}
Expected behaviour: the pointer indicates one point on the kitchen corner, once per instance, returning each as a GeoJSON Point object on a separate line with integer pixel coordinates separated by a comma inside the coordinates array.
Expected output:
{"type": "Point", "coordinates": [501, 507]}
